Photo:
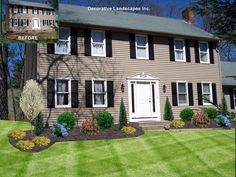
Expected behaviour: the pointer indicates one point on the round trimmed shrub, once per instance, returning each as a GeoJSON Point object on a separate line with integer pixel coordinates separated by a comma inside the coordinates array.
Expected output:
{"type": "Point", "coordinates": [211, 112]}
{"type": "Point", "coordinates": [67, 119]}
{"type": "Point", "coordinates": [104, 120]}
{"type": "Point", "coordinates": [186, 114]}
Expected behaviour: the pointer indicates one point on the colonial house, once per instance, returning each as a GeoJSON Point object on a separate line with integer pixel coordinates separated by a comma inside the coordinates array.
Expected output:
{"type": "Point", "coordinates": [103, 56]}
{"type": "Point", "coordinates": [23, 16]}
{"type": "Point", "coordinates": [228, 72]}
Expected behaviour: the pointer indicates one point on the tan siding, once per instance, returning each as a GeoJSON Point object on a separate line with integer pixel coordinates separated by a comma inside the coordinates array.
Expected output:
{"type": "Point", "coordinates": [120, 66]}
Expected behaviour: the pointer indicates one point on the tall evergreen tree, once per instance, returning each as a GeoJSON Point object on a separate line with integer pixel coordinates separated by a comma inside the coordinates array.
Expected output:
{"type": "Point", "coordinates": [38, 125]}
{"type": "Point", "coordinates": [168, 113]}
{"type": "Point", "coordinates": [224, 107]}
{"type": "Point", "coordinates": [122, 115]}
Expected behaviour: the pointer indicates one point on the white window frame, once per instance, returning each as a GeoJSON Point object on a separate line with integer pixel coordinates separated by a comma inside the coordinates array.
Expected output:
{"type": "Point", "coordinates": [24, 10]}
{"type": "Point", "coordinates": [183, 50]}
{"type": "Point", "coordinates": [211, 94]}
{"type": "Point", "coordinates": [24, 22]}
{"type": "Point", "coordinates": [207, 52]}
{"type": "Point", "coordinates": [105, 96]}
{"type": "Point", "coordinates": [234, 97]}
{"type": "Point", "coordinates": [33, 23]}
{"type": "Point", "coordinates": [69, 43]}
{"type": "Point", "coordinates": [104, 44]}
{"type": "Point", "coordinates": [187, 94]}
{"type": "Point", "coordinates": [35, 10]}
{"type": "Point", "coordinates": [69, 93]}
{"type": "Point", "coordinates": [15, 9]}
{"type": "Point", "coordinates": [146, 46]}
{"type": "Point", "coordinates": [15, 20]}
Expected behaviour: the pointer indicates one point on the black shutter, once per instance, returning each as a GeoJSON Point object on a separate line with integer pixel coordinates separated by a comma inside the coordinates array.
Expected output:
{"type": "Point", "coordinates": [27, 22]}
{"type": "Point", "coordinates": [108, 44]}
{"type": "Point", "coordinates": [51, 93]}
{"type": "Point", "coordinates": [21, 22]}
{"type": "Point", "coordinates": [211, 51]}
{"type": "Point", "coordinates": [187, 50]}
{"type": "Point", "coordinates": [88, 94]}
{"type": "Point", "coordinates": [231, 94]}
{"type": "Point", "coordinates": [18, 22]}
{"type": "Point", "coordinates": [196, 51]}
{"type": "Point", "coordinates": [150, 48]}
{"type": "Point", "coordinates": [74, 45]}
{"type": "Point", "coordinates": [110, 94]}
{"type": "Point", "coordinates": [12, 22]}
{"type": "Point", "coordinates": [171, 49]}
{"type": "Point", "coordinates": [50, 48]}
{"type": "Point", "coordinates": [74, 94]}
{"type": "Point", "coordinates": [190, 94]}
{"type": "Point", "coordinates": [199, 93]}
{"type": "Point", "coordinates": [174, 94]}
{"type": "Point", "coordinates": [27, 10]}
{"type": "Point", "coordinates": [132, 46]}
{"type": "Point", "coordinates": [87, 42]}
{"type": "Point", "coordinates": [214, 94]}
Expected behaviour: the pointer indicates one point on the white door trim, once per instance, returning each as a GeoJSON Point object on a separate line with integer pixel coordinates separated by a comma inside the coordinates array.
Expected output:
{"type": "Point", "coordinates": [155, 116]}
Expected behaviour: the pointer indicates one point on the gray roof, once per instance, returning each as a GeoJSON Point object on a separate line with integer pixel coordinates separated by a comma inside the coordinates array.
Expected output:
{"type": "Point", "coordinates": [228, 73]}
{"type": "Point", "coordinates": [29, 4]}
{"type": "Point", "coordinates": [124, 20]}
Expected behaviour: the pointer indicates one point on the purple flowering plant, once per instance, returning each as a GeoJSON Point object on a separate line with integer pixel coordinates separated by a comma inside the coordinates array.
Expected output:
{"type": "Point", "coordinates": [59, 130]}
{"type": "Point", "coordinates": [223, 121]}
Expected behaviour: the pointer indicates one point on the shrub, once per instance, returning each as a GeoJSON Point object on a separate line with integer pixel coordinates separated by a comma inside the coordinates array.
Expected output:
{"type": "Point", "coordinates": [41, 141]}
{"type": "Point", "coordinates": [168, 113]}
{"type": "Point", "coordinates": [25, 145]}
{"type": "Point", "coordinates": [122, 115]}
{"type": "Point", "coordinates": [104, 120]}
{"type": "Point", "coordinates": [186, 114]}
{"type": "Point", "coordinates": [16, 134]}
{"type": "Point", "coordinates": [68, 119]}
{"type": "Point", "coordinates": [38, 125]}
{"type": "Point", "coordinates": [224, 107]}
{"type": "Point", "coordinates": [59, 130]}
{"type": "Point", "coordinates": [201, 120]}
{"type": "Point", "coordinates": [128, 130]}
{"type": "Point", "coordinates": [177, 123]}
{"type": "Point", "coordinates": [232, 115]}
{"type": "Point", "coordinates": [211, 112]}
{"type": "Point", "coordinates": [234, 120]}
{"type": "Point", "coordinates": [223, 121]}
{"type": "Point", "coordinates": [89, 126]}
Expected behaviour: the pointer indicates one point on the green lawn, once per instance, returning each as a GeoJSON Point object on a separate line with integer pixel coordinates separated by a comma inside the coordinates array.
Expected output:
{"type": "Point", "coordinates": [183, 154]}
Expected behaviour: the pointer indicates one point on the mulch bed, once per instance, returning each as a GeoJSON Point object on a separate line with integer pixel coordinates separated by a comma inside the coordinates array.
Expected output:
{"type": "Point", "coordinates": [76, 135]}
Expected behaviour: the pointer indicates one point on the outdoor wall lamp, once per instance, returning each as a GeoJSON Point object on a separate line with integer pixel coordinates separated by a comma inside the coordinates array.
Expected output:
{"type": "Point", "coordinates": [164, 88]}
{"type": "Point", "coordinates": [122, 87]}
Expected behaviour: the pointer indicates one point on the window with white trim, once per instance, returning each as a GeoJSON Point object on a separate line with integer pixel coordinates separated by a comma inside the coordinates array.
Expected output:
{"type": "Point", "coordinates": [15, 9]}
{"type": "Point", "coordinates": [234, 93]}
{"type": "Point", "coordinates": [24, 10]}
{"type": "Point", "coordinates": [63, 93]}
{"type": "Point", "coordinates": [204, 52]}
{"type": "Point", "coordinates": [24, 22]}
{"type": "Point", "coordinates": [99, 93]}
{"type": "Point", "coordinates": [63, 45]}
{"type": "Point", "coordinates": [98, 43]}
{"type": "Point", "coordinates": [206, 93]}
{"type": "Point", "coordinates": [15, 22]}
{"type": "Point", "coordinates": [35, 10]}
{"type": "Point", "coordinates": [182, 93]}
{"type": "Point", "coordinates": [141, 43]}
{"type": "Point", "coordinates": [179, 50]}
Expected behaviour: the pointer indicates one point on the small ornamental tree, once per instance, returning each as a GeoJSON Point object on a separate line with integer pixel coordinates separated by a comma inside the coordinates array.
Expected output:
{"type": "Point", "coordinates": [122, 115]}
{"type": "Point", "coordinates": [38, 125]}
{"type": "Point", "coordinates": [168, 113]}
{"type": "Point", "coordinates": [31, 101]}
{"type": "Point", "coordinates": [224, 108]}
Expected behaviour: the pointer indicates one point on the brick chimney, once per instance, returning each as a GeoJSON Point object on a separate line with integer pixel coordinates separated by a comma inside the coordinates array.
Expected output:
{"type": "Point", "coordinates": [188, 15]}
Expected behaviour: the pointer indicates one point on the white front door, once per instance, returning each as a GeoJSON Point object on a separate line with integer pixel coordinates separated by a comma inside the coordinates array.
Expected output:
{"type": "Point", "coordinates": [36, 23]}
{"type": "Point", "coordinates": [143, 99]}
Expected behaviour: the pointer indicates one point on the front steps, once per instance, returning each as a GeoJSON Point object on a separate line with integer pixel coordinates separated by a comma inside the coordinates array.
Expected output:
{"type": "Point", "coordinates": [153, 125]}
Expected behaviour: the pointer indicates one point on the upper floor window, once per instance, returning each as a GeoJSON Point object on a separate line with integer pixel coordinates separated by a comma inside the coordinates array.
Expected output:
{"type": "Point", "coordinates": [179, 50]}
{"type": "Point", "coordinates": [35, 11]}
{"type": "Point", "coordinates": [99, 93]}
{"type": "Point", "coordinates": [63, 45]}
{"type": "Point", "coordinates": [141, 47]}
{"type": "Point", "coordinates": [15, 9]}
{"type": "Point", "coordinates": [24, 10]}
{"type": "Point", "coordinates": [98, 43]}
{"type": "Point", "coordinates": [63, 93]}
{"type": "Point", "coordinates": [204, 52]}
{"type": "Point", "coordinates": [182, 93]}
{"type": "Point", "coordinates": [207, 93]}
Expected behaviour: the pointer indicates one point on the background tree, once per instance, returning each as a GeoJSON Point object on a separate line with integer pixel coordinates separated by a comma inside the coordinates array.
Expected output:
{"type": "Point", "coordinates": [168, 113]}
{"type": "Point", "coordinates": [122, 115]}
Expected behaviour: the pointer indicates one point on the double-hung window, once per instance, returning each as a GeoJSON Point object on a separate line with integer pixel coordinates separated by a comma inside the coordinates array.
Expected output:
{"type": "Point", "coordinates": [204, 52]}
{"type": "Point", "coordinates": [24, 22]}
{"type": "Point", "coordinates": [98, 43]}
{"type": "Point", "coordinates": [206, 93]}
{"type": "Point", "coordinates": [35, 11]}
{"type": "Point", "coordinates": [141, 47]}
{"type": "Point", "coordinates": [15, 22]}
{"type": "Point", "coordinates": [182, 93]}
{"type": "Point", "coordinates": [179, 50]}
{"type": "Point", "coordinates": [24, 10]}
{"type": "Point", "coordinates": [15, 9]}
{"type": "Point", "coordinates": [234, 96]}
{"type": "Point", "coordinates": [63, 45]}
{"type": "Point", "coordinates": [63, 93]}
{"type": "Point", "coordinates": [99, 93]}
